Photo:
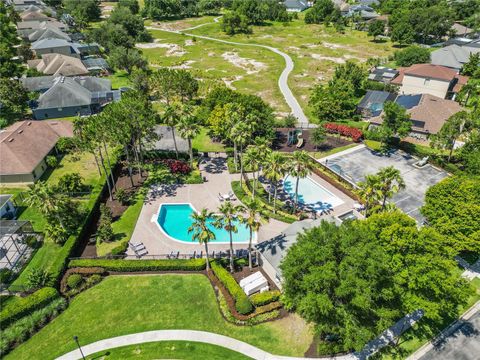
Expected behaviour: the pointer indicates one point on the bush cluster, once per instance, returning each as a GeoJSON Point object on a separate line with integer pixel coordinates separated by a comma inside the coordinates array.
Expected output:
{"type": "Point", "coordinates": [344, 130]}
{"type": "Point", "coordinates": [18, 309]}
{"type": "Point", "coordinates": [177, 166]}
{"type": "Point", "coordinates": [123, 265]}
{"type": "Point", "coordinates": [74, 281]}
{"type": "Point", "coordinates": [265, 298]}
{"type": "Point", "coordinates": [242, 302]}
{"type": "Point", "coordinates": [24, 328]}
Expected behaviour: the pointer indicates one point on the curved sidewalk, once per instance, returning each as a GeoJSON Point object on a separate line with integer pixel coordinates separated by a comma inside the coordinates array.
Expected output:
{"type": "Point", "coordinates": [180, 335]}
{"type": "Point", "coordinates": [290, 99]}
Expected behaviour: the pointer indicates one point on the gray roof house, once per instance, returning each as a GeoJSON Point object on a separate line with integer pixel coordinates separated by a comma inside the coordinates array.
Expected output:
{"type": "Point", "coordinates": [373, 101]}
{"type": "Point", "coordinates": [47, 32]}
{"type": "Point", "coordinates": [67, 96]}
{"type": "Point", "coordinates": [453, 56]}
{"type": "Point", "coordinates": [272, 252]}
{"type": "Point", "coordinates": [296, 5]}
{"type": "Point", "coordinates": [25, 28]}
{"type": "Point", "coordinates": [64, 47]}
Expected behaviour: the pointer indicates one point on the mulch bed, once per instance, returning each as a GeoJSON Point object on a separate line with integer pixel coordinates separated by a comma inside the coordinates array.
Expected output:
{"type": "Point", "coordinates": [331, 142]}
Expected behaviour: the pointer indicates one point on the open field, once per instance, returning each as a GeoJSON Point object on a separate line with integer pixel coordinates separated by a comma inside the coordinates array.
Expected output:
{"type": "Point", "coordinates": [315, 49]}
{"type": "Point", "coordinates": [169, 350]}
{"type": "Point", "coordinates": [155, 302]}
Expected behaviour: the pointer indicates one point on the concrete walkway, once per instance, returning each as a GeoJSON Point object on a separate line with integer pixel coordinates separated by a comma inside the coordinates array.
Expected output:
{"type": "Point", "coordinates": [182, 335]}
{"type": "Point", "coordinates": [292, 102]}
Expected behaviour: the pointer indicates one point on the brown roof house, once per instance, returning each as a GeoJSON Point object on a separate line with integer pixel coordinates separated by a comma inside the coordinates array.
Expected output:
{"type": "Point", "coordinates": [435, 80]}
{"type": "Point", "coordinates": [58, 64]}
{"type": "Point", "coordinates": [428, 113]}
{"type": "Point", "coordinates": [24, 147]}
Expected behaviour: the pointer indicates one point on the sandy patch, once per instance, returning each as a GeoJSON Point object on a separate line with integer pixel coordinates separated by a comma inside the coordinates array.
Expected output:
{"type": "Point", "coordinates": [336, 60]}
{"type": "Point", "coordinates": [189, 42]}
{"type": "Point", "coordinates": [185, 65]}
{"type": "Point", "coordinates": [251, 66]}
{"type": "Point", "coordinates": [230, 80]}
{"type": "Point", "coordinates": [293, 48]}
{"type": "Point", "coordinates": [173, 49]}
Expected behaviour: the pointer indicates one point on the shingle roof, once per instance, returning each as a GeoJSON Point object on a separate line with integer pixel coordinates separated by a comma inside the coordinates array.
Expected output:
{"type": "Point", "coordinates": [25, 144]}
{"type": "Point", "coordinates": [58, 64]}
{"type": "Point", "coordinates": [296, 4]}
{"type": "Point", "coordinates": [431, 111]}
{"type": "Point", "coordinates": [65, 92]}
{"type": "Point", "coordinates": [48, 32]}
{"type": "Point", "coordinates": [452, 56]}
{"type": "Point", "coordinates": [427, 71]}
{"type": "Point", "coordinates": [91, 83]}
{"type": "Point", "coordinates": [50, 43]}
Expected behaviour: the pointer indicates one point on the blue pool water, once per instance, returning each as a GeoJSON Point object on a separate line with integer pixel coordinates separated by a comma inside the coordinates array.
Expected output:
{"type": "Point", "coordinates": [311, 193]}
{"type": "Point", "coordinates": [175, 219]}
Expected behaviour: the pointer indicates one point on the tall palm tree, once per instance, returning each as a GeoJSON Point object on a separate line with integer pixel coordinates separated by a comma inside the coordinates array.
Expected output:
{"type": "Point", "coordinates": [299, 168]}
{"type": "Point", "coordinates": [188, 127]}
{"type": "Point", "coordinates": [391, 182]}
{"type": "Point", "coordinates": [229, 215]}
{"type": "Point", "coordinates": [242, 136]}
{"type": "Point", "coordinates": [171, 117]}
{"type": "Point", "coordinates": [370, 191]}
{"type": "Point", "coordinates": [253, 221]}
{"type": "Point", "coordinates": [274, 170]}
{"type": "Point", "coordinates": [252, 159]}
{"type": "Point", "coordinates": [200, 230]}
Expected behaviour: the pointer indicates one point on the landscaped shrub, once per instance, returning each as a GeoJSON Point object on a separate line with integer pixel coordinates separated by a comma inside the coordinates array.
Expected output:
{"type": "Point", "coordinates": [120, 249]}
{"type": "Point", "coordinates": [38, 278]}
{"type": "Point", "coordinates": [52, 161]}
{"type": "Point", "coordinates": [16, 310]}
{"type": "Point", "coordinates": [74, 281]}
{"type": "Point", "coordinates": [65, 144]}
{"type": "Point", "coordinates": [123, 265]}
{"type": "Point", "coordinates": [177, 166]}
{"type": "Point", "coordinates": [94, 279]}
{"type": "Point", "coordinates": [242, 302]}
{"type": "Point", "coordinates": [123, 196]}
{"type": "Point", "coordinates": [70, 183]}
{"type": "Point", "coordinates": [5, 275]}
{"type": "Point", "coordinates": [24, 328]}
{"type": "Point", "coordinates": [344, 130]}
{"type": "Point", "coordinates": [264, 298]}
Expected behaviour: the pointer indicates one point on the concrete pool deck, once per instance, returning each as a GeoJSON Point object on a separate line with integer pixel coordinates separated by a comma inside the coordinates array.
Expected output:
{"type": "Point", "coordinates": [218, 180]}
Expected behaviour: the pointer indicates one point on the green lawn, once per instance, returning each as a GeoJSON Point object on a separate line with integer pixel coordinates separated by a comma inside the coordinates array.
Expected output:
{"type": "Point", "coordinates": [169, 350]}
{"type": "Point", "coordinates": [119, 79]}
{"type": "Point", "coordinates": [122, 305]}
{"type": "Point", "coordinates": [322, 154]}
{"type": "Point", "coordinates": [203, 143]}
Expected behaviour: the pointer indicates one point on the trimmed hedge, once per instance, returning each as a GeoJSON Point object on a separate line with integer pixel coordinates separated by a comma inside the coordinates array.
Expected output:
{"type": "Point", "coordinates": [242, 302]}
{"type": "Point", "coordinates": [122, 265]}
{"type": "Point", "coordinates": [265, 298]}
{"type": "Point", "coordinates": [26, 305]}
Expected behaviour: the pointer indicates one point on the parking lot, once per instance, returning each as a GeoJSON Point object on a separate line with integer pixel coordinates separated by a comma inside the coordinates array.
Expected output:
{"type": "Point", "coordinates": [354, 164]}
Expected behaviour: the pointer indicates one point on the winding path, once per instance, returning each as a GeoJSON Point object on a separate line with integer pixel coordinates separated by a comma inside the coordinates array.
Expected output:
{"type": "Point", "coordinates": [181, 335]}
{"type": "Point", "coordinates": [292, 102]}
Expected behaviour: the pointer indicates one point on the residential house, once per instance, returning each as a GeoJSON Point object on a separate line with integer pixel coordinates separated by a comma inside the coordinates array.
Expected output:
{"type": "Point", "coordinates": [23, 5]}
{"type": "Point", "coordinates": [25, 28]}
{"type": "Point", "coordinates": [427, 113]}
{"type": "Point", "coordinates": [33, 13]}
{"type": "Point", "coordinates": [382, 74]}
{"type": "Point", "coordinates": [64, 47]}
{"type": "Point", "coordinates": [7, 207]}
{"type": "Point", "coordinates": [24, 146]}
{"type": "Point", "coordinates": [58, 64]}
{"type": "Point", "coordinates": [95, 64]}
{"type": "Point", "coordinates": [462, 30]}
{"type": "Point", "coordinates": [365, 12]}
{"type": "Point", "coordinates": [453, 56]}
{"type": "Point", "coordinates": [296, 5]}
{"type": "Point", "coordinates": [47, 31]}
{"type": "Point", "coordinates": [431, 79]}
{"type": "Point", "coordinates": [69, 96]}
{"type": "Point", "coordinates": [372, 103]}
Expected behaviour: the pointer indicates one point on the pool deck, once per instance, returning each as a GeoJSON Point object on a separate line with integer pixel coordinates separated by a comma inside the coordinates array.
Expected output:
{"type": "Point", "coordinates": [204, 195]}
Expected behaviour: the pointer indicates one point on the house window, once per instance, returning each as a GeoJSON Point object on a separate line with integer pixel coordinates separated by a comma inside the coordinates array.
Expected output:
{"type": "Point", "coordinates": [426, 82]}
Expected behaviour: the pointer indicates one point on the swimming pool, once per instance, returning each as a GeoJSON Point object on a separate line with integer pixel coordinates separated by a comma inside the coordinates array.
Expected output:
{"type": "Point", "coordinates": [175, 219]}
{"type": "Point", "coordinates": [311, 193]}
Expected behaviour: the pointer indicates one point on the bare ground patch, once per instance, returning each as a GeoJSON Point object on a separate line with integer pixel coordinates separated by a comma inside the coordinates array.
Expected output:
{"type": "Point", "coordinates": [251, 66]}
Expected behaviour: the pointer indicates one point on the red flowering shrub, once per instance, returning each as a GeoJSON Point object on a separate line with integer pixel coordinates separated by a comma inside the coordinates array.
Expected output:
{"type": "Point", "coordinates": [177, 166]}
{"type": "Point", "coordinates": [344, 130]}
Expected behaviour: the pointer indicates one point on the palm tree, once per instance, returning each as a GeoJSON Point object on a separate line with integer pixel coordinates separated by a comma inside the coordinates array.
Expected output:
{"type": "Point", "coordinates": [252, 159]}
{"type": "Point", "coordinates": [274, 171]}
{"type": "Point", "coordinates": [172, 116]}
{"type": "Point", "coordinates": [299, 168]}
{"type": "Point", "coordinates": [253, 221]}
{"type": "Point", "coordinates": [201, 231]}
{"type": "Point", "coordinates": [391, 182]}
{"type": "Point", "coordinates": [229, 215]}
{"type": "Point", "coordinates": [44, 198]}
{"type": "Point", "coordinates": [370, 191]}
{"type": "Point", "coordinates": [242, 136]}
{"type": "Point", "coordinates": [188, 128]}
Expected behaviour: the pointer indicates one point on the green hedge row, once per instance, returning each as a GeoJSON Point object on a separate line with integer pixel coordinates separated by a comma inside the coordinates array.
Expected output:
{"type": "Point", "coordinates": [265, 298]}
{"type": "Point", "coordinates": [242, 302]}
{"type": "Point", "coordinates": [18, 309]}
{"type": "Point", "coordinates": [123, 265]}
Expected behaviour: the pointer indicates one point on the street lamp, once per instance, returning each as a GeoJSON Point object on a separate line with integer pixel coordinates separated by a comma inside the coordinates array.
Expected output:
{"type": "Point", "coordinates": [75, 337]}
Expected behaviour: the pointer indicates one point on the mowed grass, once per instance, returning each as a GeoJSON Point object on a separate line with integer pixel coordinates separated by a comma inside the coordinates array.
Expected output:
{"type": "Point", "coordinates": [169, 350]}
{"type": "Point", "coordinates": [256, 71]}
{"type": "Point", "coordinates": [122, 305]}
{"type": "Point", "coordinates": [203, 143]}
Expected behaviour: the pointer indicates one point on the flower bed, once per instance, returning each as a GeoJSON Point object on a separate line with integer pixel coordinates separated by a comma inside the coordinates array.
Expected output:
{"type": "Point", "coordinates": [344, 130]}
{"type": "Point", "coordinates": [177, 166]}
